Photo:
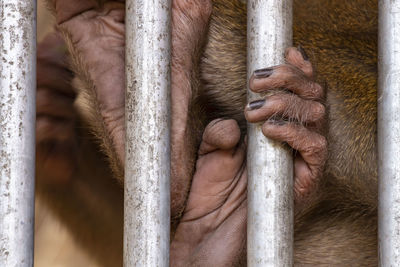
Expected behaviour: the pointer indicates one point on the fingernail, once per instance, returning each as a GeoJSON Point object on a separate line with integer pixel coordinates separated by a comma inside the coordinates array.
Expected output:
{"type": "Point", "coordinates": [303, 52]}
{"type": "Point", "coordinates": [278, 122]}
{"type": "Point", "coordinates": [263, 73]}
{"type": "Point", "coordinates": [256, 104]}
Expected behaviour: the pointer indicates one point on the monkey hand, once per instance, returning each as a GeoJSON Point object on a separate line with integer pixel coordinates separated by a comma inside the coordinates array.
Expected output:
{"type": "Point", "coordinates": [295, 115]}
{"type": "Point", "coordinates": [56, 140]}
{"type": "Point", "coordinates": [95, 27]}
{"type": "Point", "coordinates": [95, 32]}
{"type": "Point", "coordinates": [189, 28]}
{"type": "Point", "coordinates": [212, 231]}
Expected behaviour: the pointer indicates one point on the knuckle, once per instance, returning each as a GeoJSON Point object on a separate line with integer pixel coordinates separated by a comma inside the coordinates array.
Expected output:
{"type": "Point", "coordinates": [316, 90]}
{"type": "Point", "coordinates": [43, 123]}
{"type": "Point", "coordinates": [308, 69]}
{"type": "Point", "coordinates": [286, 72]}
{"type": "Point", "coordinates": [277, 130]}
{"type": "Point", "coordinates": [318, 110]}
{"type": "Point", "coordinates": [44, 98]}
{"type": "Point", "coordinates": [222, 133]}
{"type": "Point", "coordinates": [289, 50]}
{"type": "Point", "coordinates": [319, 147]}
{"type": "Point", "coordinates": [266, 129]}
{"type": "Point", "coordinates": [278, 102]}
{"type": "Point", "coordinates": [322, 144]}
{"type": "Point", "coordinates": [220, 127]}
{"type": "Point", "coordinates": [286, 68]}
{"type": "Point", "coordinates": [251, 83]}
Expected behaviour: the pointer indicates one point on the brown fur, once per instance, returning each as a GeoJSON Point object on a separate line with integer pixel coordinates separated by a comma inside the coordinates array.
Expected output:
{"type": "Point", "coordinates": [341, 39]}
{"type": "Point", "coordinates": [89, 109]}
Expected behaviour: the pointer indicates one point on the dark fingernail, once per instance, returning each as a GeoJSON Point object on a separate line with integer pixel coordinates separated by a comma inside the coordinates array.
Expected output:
{"type": "Point", "coordinates": [303, 52]}
{"type": "Point", "coordinates": [256, 104]}
{"type": "Point", "coordinates": [278, 122]}
{"type": "Point", "coordinates": [263, 73]}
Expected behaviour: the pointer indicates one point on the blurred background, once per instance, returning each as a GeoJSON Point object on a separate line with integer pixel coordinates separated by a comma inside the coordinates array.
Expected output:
{"type": "Point", "coordinates": [54, 246]}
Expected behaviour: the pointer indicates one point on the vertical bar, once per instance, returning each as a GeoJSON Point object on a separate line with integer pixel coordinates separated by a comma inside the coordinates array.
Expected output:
{"type": "Point", "coordinates": [147, 167]}
{"type": "Point", "coordinates": [389, 133]}
{"type": "Point", "coordinates": [17, 130]}
{"type": "Point", "coordinates": [270, 166]}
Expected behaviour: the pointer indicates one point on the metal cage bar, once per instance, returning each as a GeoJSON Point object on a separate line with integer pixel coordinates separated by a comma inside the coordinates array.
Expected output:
{"type": "Point", "coordinates": [389, 133]}
{"type": "Point", "coordinates": [270, 165]}
{"type": "Point", "coordinates": [147, 165]}
{"type": "Point", "coordinates": [17, 131]}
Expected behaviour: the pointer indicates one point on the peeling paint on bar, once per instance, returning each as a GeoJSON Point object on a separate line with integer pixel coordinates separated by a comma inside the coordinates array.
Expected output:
{"type": "Point", "coordinates": [389, 133]}
{"type": "Point", "coordinates": [17, 131]}
{"type": "Point", "coordinates": [270, 165]}
{"type": "Point", "coordinates": [147, 165]}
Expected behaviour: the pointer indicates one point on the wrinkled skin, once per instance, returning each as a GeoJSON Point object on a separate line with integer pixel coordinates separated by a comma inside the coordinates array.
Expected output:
{"type": "Point", "coordinates": [212, 228]}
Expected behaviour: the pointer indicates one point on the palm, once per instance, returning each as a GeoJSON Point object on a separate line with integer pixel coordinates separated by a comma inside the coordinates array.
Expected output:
{"type": "Point", "coordinates": [98, 29]}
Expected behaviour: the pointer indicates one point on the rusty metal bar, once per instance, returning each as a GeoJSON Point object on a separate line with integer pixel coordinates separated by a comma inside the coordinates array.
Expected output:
{"type": "Point", "coordinates": [270, 166]}
{"type": "Point", "coordinates": [389, 133]}
{"type": "Point", "coordinates": [147, 165]}
{"type": "Point", "coordinates": [17, 131]}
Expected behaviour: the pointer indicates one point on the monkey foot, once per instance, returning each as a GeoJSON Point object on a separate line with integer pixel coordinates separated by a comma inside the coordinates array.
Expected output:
{"type": "Point", "coordinates": [215, 214]}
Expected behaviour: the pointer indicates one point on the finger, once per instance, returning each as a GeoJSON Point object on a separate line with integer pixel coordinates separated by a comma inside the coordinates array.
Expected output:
{"type": "Point", "coordinates": [49, 102]}
{"type": "Point", "coordinates": [102, 34]}
{"type": "Point", "coordinates": [305, 183]}
{"type": "Point", "coordinates": [299, 58]}
{"type": "Point", "coordinates": [288, 77]}
{"type": "Point", "coordinates": [311, 146]}
{"type": "Point", "coordinates": [52, 71]}
{"type": "Point", "coordinates": [220, 134]}
{"type": "Point", "coordinates": [55, 162]}
{"type": "Point", "coordinates": [288, 106]}
{"type": "Point", "coordinates": [64, 10]}
{"type": "Point", "coordinates": [220, 178]}
{"type": "Point", "coordinates": [50, 75]}
{"type": "Point", "coordinates": [54, 129]}
{"type": "Point", "coordinates": [53, 48]}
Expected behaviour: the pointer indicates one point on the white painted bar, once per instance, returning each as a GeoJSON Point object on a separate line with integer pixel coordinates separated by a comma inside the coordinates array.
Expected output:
{"type": "Point", "coordinates": [270, 166]}
{"type": "Point", "coordinates": [147, 165]}
{"type": "Point", "coordinates": [17, 131]}
{"type": "Point", "coordinates": [389, 133]}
